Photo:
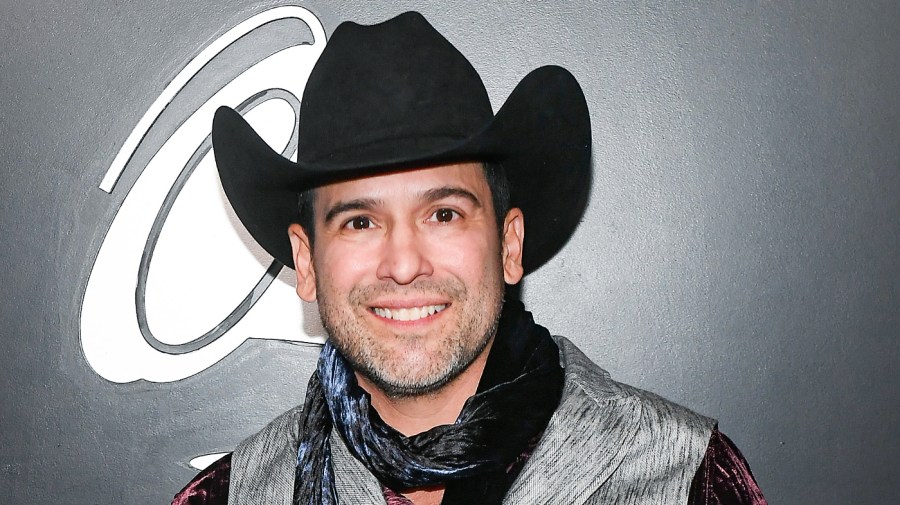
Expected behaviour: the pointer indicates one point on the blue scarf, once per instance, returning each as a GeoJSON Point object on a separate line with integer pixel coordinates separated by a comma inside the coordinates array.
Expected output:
{"type": "Point", "coordinates": [518, 392]}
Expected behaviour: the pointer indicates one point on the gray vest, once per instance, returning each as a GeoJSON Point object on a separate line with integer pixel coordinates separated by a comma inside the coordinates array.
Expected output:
{"type": "Point", "coordinates": [606, 443]}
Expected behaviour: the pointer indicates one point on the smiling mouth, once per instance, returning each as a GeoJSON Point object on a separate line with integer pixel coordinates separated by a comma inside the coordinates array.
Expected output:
{"type": "Point", "coordinates": [409, 314]}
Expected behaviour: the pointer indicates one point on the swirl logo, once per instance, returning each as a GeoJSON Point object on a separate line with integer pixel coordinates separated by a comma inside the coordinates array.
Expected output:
{"type": "Point", "coordinates": [178, 283]}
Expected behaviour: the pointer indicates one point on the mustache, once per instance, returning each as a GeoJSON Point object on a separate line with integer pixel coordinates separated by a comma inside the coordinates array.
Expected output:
{"type": "Point", "coordinates": [449, 288]}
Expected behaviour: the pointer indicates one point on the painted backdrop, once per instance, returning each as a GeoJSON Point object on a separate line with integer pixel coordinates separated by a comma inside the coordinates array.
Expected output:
{"type": "Point", "coordinates": [739, 254]}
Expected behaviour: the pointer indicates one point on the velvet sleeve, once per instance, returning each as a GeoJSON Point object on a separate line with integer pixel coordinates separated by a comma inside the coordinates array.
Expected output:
{"type": "Point", "coordinates": [209, 487]}
{"type": "Point", "coordinates": [724, 478]}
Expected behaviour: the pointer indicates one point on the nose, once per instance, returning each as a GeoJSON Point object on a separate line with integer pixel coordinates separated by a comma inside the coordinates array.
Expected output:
{"type": "Point", "coordinates": [404, 256]}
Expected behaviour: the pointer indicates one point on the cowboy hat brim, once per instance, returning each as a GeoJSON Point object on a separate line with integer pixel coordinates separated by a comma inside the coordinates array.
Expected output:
{"type": "Point", "coordinates": [541, 136]}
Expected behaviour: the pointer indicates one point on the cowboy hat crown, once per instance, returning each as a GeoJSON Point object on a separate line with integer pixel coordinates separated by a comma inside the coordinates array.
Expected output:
{"type": "Point", "coordinates": [398, 95]}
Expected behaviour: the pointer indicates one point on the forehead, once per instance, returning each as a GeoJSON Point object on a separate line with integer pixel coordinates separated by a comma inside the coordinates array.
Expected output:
{"type": "Point", "coordinates": [408, 184]}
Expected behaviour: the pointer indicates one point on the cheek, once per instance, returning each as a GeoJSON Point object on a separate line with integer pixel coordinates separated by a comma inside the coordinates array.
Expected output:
{"type": "Point", "coordinates": [470, 257]}
{"type": "Point", "coordinates": [342, 267]}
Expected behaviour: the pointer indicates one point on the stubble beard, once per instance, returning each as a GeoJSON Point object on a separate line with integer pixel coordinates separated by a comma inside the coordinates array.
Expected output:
{"type": "Point", "coordinates": [404, 371]}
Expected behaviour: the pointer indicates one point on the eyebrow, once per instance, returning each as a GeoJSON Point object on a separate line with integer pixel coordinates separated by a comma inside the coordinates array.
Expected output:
{"type": "Point", "coordinates": [435, 194]}
{"type": "Point", "coordinates": [432, 195]}
{"type": "Point", "coordinates": [350, 205]}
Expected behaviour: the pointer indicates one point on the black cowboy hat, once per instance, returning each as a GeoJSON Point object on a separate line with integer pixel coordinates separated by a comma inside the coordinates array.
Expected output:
{"type": "Point", "coordinates": [397, 95]}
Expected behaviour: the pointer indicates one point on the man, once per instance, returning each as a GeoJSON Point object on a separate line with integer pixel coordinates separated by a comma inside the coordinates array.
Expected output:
{"type": "Point", "coordinates": [409, 210]}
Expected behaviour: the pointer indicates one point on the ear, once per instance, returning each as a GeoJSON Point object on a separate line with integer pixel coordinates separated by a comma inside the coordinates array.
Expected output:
{"type": "Point", "coordinates": [303, 263]}
{"type": "Point", "coordinates": [513, 240]}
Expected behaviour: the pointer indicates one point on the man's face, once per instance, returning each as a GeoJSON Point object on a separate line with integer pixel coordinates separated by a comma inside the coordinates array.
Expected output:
{"type": "Point", "coordinates": [408, 269]}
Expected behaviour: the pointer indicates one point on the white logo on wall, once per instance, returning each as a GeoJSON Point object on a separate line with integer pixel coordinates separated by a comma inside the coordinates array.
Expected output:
{"type": "Point", "coordinates": [178, 283]}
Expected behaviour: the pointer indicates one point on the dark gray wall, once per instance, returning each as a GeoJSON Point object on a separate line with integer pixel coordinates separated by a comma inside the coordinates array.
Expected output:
{"type": "Point", "coordinates": [740, 253]}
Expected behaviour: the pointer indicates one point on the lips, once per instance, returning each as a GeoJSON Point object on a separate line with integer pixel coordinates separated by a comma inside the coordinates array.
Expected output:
{"type": "Point", "coordinates": [409, 313]}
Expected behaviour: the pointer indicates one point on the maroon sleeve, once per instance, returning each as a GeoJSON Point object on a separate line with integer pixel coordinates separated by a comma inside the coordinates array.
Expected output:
{"type": "Point", "coordinates": [724, 478]}
{"type": "Point", "coordinates": [209, 487]}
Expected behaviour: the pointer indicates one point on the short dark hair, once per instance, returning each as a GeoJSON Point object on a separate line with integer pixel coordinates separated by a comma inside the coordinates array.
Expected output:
{"type": "Point", "coordinates": [493, 172]}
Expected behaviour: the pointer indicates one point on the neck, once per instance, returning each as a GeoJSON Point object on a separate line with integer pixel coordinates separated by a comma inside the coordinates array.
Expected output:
{"type": "Point", "coordinates": [415, 414]}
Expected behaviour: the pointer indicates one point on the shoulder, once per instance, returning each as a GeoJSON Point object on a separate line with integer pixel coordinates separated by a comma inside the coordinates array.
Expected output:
{"type": "Point", "coordinates": [266, 453]}
{"type": "Point", "coordinates": [585, 378]}
{"type": "Point", "coordinates": [264, 464]}
{"type": "Point", "coordinates": [656, 426]}
{"type": "Point", "coordinates": [612, 441]}
{"type": "Point", "coordinates": [273, 434]}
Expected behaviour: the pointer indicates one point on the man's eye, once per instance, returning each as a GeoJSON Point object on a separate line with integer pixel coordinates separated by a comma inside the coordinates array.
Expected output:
{"type": "Point", "coordinates": [444, 215]}
{"type": "Point", "coordinates": [359, 223]}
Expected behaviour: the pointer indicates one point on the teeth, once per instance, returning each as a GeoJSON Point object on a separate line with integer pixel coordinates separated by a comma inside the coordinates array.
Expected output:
{"type": "Point", "coordinates": [409, 314]}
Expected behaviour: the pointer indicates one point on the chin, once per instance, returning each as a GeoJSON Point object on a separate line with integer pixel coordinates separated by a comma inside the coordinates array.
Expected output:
{"type": "Point", "coordinates": [414, 373]}
{"type": "Point", "coordinates": [409, 387]}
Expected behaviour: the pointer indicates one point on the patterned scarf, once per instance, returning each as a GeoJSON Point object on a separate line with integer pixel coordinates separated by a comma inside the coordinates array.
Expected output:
{"type": "Point", "coordinates": [519, 390]}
